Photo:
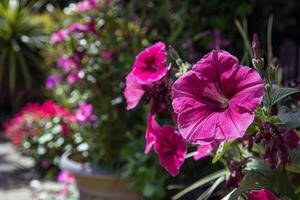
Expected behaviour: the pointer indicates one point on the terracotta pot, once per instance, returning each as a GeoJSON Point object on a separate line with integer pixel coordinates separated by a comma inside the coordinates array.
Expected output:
{"type": "Point", "coordinates": [95, 183]}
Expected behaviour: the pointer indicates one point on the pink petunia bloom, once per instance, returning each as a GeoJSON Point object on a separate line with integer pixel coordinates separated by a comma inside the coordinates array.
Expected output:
{"type": "Point", "coordinates": [203, 151]}
{"type": "Point", "coordinates": [261, 195]}
{"type": "Point", "coordinates": [59, 36]}
{"type": "Point", "coordinates": [150, 64]}
{"type": "Point", "coordinates": [84, 112]}
{"type": "Point", "coordinates": [77, 27]}
{"type": "Point", "coordinates": [88, 27]}
{"type": "Point", "coordinates": [67, 63]}
{"type": "Point", "coordinates": [171, 149]}
{"type": "Point", "coordinates": [52, 81]}
{"type": "Point", "coordinates": [133, 91]}
{"type": "Point", "coordinates": [216, 100]}
{"type": "Point", "coordinates": [86, 5]}
{"type": "Point", "coordinates": [65, 177]}
{"type": "Point", "coordinates": [152, 128]}
{"type": "Point", "coordinates": [72, 77]}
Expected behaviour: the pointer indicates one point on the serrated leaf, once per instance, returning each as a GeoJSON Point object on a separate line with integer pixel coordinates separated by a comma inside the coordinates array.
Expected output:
{"type": "Point", "coordinates": [290, 118]}
{"type": "Point", "coordinates": [221, 150]}
{"type": "Point", "coordinates": [281, 93]}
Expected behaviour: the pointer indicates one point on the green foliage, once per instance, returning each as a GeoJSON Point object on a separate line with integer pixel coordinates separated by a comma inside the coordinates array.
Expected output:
{"type": "Point", "coordinates": [223, 147]}
{"type": "Point", "coordinates": [201, 182]}
{"type": "Point", "coordinates": [290, 118]}
{"type": "Point", "coordinates": [21, 35]}
{"type": "Point", "coordinates": [281, 93]}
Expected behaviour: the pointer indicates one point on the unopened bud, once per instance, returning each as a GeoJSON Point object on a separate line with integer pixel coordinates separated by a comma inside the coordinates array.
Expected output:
{"type": "Point", "coordinates": [256, 47]}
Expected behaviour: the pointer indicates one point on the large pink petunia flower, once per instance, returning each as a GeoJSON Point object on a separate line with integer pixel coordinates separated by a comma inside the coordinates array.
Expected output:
{"type": "Point", "coordinates": [261, 195]}
{"type": "Point", "coordinates": [133, 91]}
{"type": "Point", "coordinates": [150, 64]}
{"type": "Point", "coordinates": [171, 149]}
{"type": "Point", "coordinates": [216, 100]}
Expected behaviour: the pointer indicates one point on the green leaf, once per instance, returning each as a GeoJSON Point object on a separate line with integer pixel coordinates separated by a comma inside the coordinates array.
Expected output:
{"type": "Point", "coordinates": [2, 63]}
{"type": "Point", "coordinates": [244, 36]}
{"type": "Point", "coordinates": [259, 165]}
{"type": "Point", "coordinates": [281, 93]}
{"type": "Point", "coordinates": [202, 181]}
{"type": "Point", "coordinates": [282, 185]}
{"type": "Point", "coordinates": [24, 69]}
{"type": "Point", "coordinates": [290, 118]}
{"type": "Point", "coordinates": [12, 70]}
{"type": "Point", "coordinates": [221, 150]}
{"type": "Point", "coordinates": [252, 181]}
{"type": "Point", "coordinates": [205, 195]}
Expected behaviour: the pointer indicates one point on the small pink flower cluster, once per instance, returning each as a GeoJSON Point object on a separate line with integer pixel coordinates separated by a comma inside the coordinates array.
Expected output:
{"type": "Point", "coordinates": [63, 34]}
{"type": "Point", "coordinates": [26, 122]}
{"type": "Point", "coordinates": [86, 5]}
{"type": "Point", "coordinates": [212, 103]}
{"type": "Point", "coordinates": [84, 113]}
{"type": "Point", "coordinates": [70, 64]}
{"type": "Point", "coordinates": [66, 178]}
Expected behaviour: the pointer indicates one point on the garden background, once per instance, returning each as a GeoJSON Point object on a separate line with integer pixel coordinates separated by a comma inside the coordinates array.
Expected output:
{"type": "Point", "coordinates": [28, 58]}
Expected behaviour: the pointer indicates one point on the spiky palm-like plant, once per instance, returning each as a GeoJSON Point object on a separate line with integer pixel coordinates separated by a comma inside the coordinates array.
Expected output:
{"type": "Point", "coordinates": [21, 36]}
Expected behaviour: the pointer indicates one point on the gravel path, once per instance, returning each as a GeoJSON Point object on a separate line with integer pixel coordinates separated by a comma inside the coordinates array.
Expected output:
{"type": "Point", "coordinates": [18, 180]}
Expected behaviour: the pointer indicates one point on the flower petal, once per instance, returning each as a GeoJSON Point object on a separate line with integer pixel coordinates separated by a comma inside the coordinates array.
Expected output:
{"type": "Point", "coordinates": [133, 91]}
{"type": "Point", "coordinates": [152, 128]}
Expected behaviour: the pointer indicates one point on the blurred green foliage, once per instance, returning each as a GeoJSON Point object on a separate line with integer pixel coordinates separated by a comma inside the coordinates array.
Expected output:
{"type": "Point", "coordinates": [24, 28]}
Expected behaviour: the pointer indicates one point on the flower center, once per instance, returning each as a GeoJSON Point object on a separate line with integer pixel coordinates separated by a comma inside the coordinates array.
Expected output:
{"type": "Point", "coordinates": [224, 102]}
{"type": "Point", "coordinates": [150, 64]}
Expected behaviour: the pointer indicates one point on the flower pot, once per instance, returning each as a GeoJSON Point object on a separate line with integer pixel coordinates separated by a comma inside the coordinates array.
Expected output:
{"type": "Point", "coordinates": [95, 183]}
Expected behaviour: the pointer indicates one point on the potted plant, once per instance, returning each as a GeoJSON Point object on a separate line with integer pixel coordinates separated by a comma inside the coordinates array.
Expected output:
{"type": "Point", "coordinates": [221, 108]}
{"type": "Point", "coordinates": [85, 58]}
{"type": "Point", "coordinates": [42, 132]}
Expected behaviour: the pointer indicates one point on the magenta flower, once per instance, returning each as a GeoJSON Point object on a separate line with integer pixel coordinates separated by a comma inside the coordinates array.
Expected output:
{"type": "Point", "coordinates": [152, 128]}
{"type": "Point", "coordinates": [88, 27]}
{"type": "Point", "coordinates": [133, 91]}
{"type": "Point", "coordinates": [65, 177]}
{"type": "Point", "coordinates": [72, 78]}
{"type": "Point", "coordinates": [107, 55]}
{"type": "Point", "coordinates": [203, 151]}
{"type": "Point", "coordinates": [59, 36]}
{"type": "Point", "coordinates": [52, 81]}
{"type": "Point", "coordinates": [84, 112]}
{"type": "Point", "coordinates": [216, 100]}
{"type": "Point", "coordinates": [171, 149]}
{"type": "Point", "coordinates": [77, 27]}
{"type": "Point", "coordinates": [67, 63]}
{"type": "Point", "coordinates": [150, 64]}
{"type": "Point", "coordinates": [86, 5]}
{"type": "Point", "coordinates": [261, 195]}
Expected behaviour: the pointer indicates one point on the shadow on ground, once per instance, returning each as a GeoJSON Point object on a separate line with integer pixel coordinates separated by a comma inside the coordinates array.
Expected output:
{"type": "Point", "coordinates": [16, 172]}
